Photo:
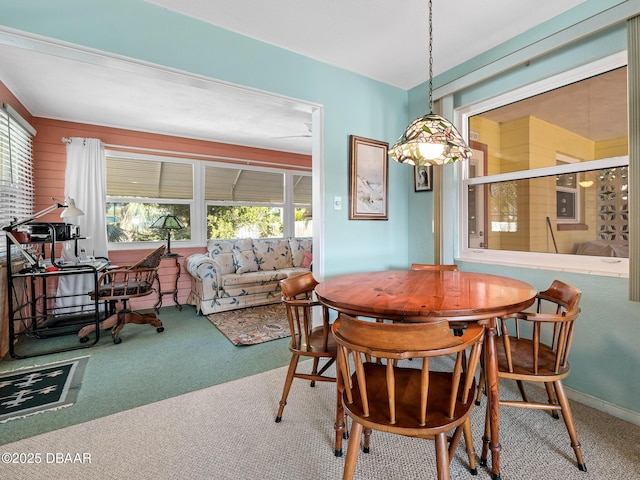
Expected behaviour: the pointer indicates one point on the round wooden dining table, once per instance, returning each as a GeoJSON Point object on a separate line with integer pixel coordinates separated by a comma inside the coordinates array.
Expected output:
{"type": "Point", "coordinates": [422, 295]}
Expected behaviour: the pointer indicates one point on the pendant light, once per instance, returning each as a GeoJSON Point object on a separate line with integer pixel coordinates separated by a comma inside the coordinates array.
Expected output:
{"type": "Point", "coordinates": [431, 139]}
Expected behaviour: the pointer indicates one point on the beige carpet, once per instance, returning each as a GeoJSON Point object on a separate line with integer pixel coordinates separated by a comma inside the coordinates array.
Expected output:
{"type": "Point", "coordinates": [252, 325]}
{"type": "Point", "coordinates": [228, 432]}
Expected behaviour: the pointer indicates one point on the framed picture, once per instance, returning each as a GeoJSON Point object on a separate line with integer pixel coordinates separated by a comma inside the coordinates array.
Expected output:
{"type": "Point", "coordinates": [368, 179]}
{"type": "Point", "coordinates": [422, 178]}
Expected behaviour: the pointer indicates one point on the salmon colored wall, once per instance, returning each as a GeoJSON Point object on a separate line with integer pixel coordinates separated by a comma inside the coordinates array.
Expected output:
{"type": "Point", "coordinates": [50, 161]}
{"type": "Point", "coordinates": [49, 154]}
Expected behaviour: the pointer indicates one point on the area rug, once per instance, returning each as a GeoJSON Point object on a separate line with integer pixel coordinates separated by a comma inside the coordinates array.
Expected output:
{"type": "Point", "coordinates": [32, 390]}
{"type": "Point", "coordinates": [253, 325]}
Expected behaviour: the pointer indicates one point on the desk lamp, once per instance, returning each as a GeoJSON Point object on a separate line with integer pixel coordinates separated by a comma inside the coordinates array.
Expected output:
{"type": "Point", "coordinates": [70, 210]}
{"type": "Point", "coordinates": [168, 222]}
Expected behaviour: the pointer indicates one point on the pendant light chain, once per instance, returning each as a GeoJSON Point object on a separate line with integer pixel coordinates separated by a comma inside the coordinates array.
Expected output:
{"type": "Point", "coordinates": [430, 59]}
{"type": "Point", "coordinates": [430, 139]}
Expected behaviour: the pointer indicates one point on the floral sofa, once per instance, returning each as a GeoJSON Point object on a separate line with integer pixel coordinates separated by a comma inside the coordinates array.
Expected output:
{"type": "Point", "coordinates": [244, 272]}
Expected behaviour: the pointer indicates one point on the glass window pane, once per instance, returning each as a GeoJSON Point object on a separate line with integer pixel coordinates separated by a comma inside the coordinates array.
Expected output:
{"type": "Point", "coordinates": [523, 215]}
{"type": "Point", "coordinates": [244, 222]}
{"type": "Point", "coordinates": [241, 185]}
{"type": "Point", "coordinates": [302, 189]}
{"type": "Point", "coordinates": [131, 221]}
{"type": "Point", "coordinates": [304, 222]}
{"type": "Point", "coordinates": [127, 177]}
{"type": "Point", "coordinates": [586, 120]}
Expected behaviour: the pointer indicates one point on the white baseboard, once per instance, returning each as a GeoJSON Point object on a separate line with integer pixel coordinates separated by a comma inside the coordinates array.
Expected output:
{"type": "Point", "coordinates": [606, 407]}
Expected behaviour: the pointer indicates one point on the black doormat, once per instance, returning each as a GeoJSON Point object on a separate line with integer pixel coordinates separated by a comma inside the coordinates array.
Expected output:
{"type": "Point", "coordinates": [32, 390]}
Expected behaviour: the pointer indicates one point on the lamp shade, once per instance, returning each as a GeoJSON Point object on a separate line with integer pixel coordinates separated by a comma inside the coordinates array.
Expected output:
{"type": "Point", "coordinates": [430, 140]}
{"type": "Point", "coordinates": [70, 209]}
{"type": "Point", "coordinates": [168, 222]}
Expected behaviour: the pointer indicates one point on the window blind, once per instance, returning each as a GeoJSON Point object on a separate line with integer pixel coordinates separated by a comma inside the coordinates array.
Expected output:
{"type": "Point", "coordinates": [243, 185]}
{"type": "Point", "coordinates": [16, 169]}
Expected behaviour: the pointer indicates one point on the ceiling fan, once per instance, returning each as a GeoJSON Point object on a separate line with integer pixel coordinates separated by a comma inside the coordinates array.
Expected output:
{"type": "Point", "coordinates": [305, 135]}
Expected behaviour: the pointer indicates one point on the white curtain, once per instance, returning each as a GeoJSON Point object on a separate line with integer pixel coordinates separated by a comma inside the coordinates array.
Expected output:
{"type": "Point", "coordinates": [85, 183]}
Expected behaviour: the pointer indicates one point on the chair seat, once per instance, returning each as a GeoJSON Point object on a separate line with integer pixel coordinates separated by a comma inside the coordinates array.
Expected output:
{"type": "Point", "coordinates": [522, 358]}
{"type": "Point", "coordinates": [407, 384]}
{"type": "Point", "coordinates": [314, 345]}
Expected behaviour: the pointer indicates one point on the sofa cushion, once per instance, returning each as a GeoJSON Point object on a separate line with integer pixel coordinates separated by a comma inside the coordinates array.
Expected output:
{"type": "Point", "coordinates": [227, 263]}
{"type": "Point", "coordinates": [252, 278]}
{"type": "Point", "coordinates": [241, 290]}
{"type": "Point", "coordinates": [245, 261]}
{"type": "Point", "coordinates": [272, 254]}
{"type": "Point", "coordinates": [299, 246]}
{"type": "Point", "coordinates": [216, 247]}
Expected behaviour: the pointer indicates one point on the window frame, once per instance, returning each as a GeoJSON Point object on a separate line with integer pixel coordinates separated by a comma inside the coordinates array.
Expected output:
{"type": "Point", "coordinates": [288, 206]}
{"type": "Point", "coordinates": [198, 204]}
{"type": "Point", "coordinates": [610, 266]}
{"type": "Point", "coordinates": [123, 199]}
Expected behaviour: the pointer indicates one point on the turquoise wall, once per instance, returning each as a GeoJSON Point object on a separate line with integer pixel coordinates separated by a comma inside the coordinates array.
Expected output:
{"type": "Point", "coordinates": [353, 105]}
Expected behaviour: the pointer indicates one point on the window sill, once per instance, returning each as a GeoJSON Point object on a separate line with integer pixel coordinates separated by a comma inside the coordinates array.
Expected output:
{"type": "Point", "coordinates": [584, 264]}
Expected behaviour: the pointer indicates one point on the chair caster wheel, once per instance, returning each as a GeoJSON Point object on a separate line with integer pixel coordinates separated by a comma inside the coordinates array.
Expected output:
{"type": "Point", "coordinates": [117, 341]}
{"type": "Point", "coordinates": [160, 329]}
{"type": "Point", "coordinates": [84, 339]}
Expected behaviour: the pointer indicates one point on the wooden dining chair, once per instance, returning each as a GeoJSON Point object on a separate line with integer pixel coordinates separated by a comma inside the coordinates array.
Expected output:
{"type": "Point", "coordinates": [536, 350]}
{"type": "Point", "coordinates": [414, 402]}
{"type": "Point", "coordinates": [306, 340]}
{"type": "Point", "coordinates": [430, 266]}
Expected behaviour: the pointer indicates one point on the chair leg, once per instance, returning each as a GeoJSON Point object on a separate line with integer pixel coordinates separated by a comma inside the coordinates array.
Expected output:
{"type": "Point", "coordinates": [367, 440]}
{"type": "Point", "coordinates": [314, 370]}
{"type": "Point", "coordinates": [552, 399]}
{"type": "Point", "coordinates": [287, 385]}
{"type": "Point", "coordinates": [442, 456]}
{"type": "Point", "coordinates": [481, 386]}
{"type": "Point", "coordinates": [523, 394]}
{"type": "Point", "coordinates": [468, 442]}
{"type": "Point", "coordinates": [126, 315]}
{"type": "Point", "coordinates": [352, 451]}
{"type": "Point", "coordinates": [486, 438]}
{"type": "Point", "coordinates": [568, 420]}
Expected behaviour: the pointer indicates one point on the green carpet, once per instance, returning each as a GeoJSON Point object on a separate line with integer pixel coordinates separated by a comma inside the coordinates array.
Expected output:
{"type": "Point", "coordinates": [146, 367]}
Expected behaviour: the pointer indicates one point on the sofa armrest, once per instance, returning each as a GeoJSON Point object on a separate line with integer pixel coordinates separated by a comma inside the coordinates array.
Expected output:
{"type": "Point", "coordinates": [205, 269]}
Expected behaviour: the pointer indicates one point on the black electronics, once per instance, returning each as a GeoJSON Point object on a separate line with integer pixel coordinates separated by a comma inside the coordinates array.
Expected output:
{"type": "Point", "coordinates": [62, 231]}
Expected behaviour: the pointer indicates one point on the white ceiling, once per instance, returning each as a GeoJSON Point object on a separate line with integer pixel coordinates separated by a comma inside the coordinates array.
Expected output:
{"type": "Point", "coordinates": [381, 39]}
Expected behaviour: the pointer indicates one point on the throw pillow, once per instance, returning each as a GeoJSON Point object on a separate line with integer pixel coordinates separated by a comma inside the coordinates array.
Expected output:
{"type": "Point", "coordinates": [299, 246]}
{"type": "Point", "coordinates": [308, 258]}
{"type": "Point", "coordinates": [245, 261]}
{"type": "Point", "coordinates": [272, 254]}
{"type": "Point", "coordinates": [226, 263]}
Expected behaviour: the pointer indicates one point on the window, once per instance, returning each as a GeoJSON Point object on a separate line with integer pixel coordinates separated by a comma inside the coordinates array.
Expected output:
{"type": "Point", "coordinates": [141, 190]}
{"type": "Point", "coordinates": [236, 201]}
{"type": "Point", "coordinates": [16, 168]}
{"type": "Point", "coordinates": [567, 194]}
{"type": "Point", "coordinates": [549, 174]}
{"type": "Point", "coordinates": [245, 202]}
